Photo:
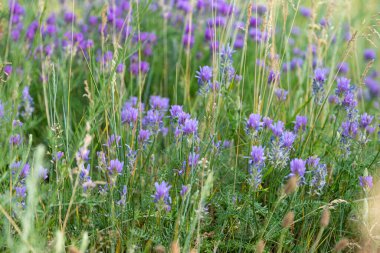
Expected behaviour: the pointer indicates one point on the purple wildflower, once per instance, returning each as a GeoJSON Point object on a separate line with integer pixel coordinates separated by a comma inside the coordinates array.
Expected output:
{"type": "Point", "coordinates": [349, 101]}
{"type": "Point", "coordinates": [343, 86]}
{"type": "Point", "coordinates": [120, 68]}
{"type": "Point", "coordinates": [253, 122]}
{"type": "Point", "coordinates": [21, 191]}
{"type": "Point", "coordinates": [58, 156]}
{"type": "Point", "coordinates": [343, 67]}
{"type": "Point", "coordinates": [273, 76]}
{"type": "Point", "coordinates": [365, 120]}
{"type": "Point", "coordinates": [257, 155]}
{"type": "Point", "coordinates": [318, 180]}
{"type": "Point", "coordinates": [27, 103]}
{"type": "Point", "coordinates": [83, 154]}
{"type": "Point", "coordinates": [159, 103]}
{"type": "Point", "coordinates": [297, 167]}
{"type": "Point", "coordinates": [84, 172]}
{"type": "Point", "coordinates": [129, 114]}
{"type": "Point", "coordinates": [333, 99]}
{"type": "Point", "coordinates": [152, 119]}
{"type": "Point", "coordinates": [113, 139]}
{"type": "Point", "coordinates": [256, 163]}
{"type": "Point", "coordinates": [136, 68]}
{"type": "Point", "coordinates": [193, 159]}
{"type": "Point", "coordinates": [115, 167]}
{"type": "Point", "coordinates": [144, 136]}
{"type": "Point", "coordinates": [31, 30]}
{"type": "Point", "coordinates": [162, 194]}
{"type": "Point", "coordinates": [306, 12]}
{"type": "Point", "coordinates": [162, 191]}
{"type": "Point", "coordinates": [15, 140]}
{"type": "Point", "coordinates": [182, 117]}
{"type": "Point", "coordinates": [259, 9]}
{"type": "Point", "coordinates": [370, 129]}
{"type": "Point", "coordinates": [313, 161]}
{"type": "Point", "coordinates": [15, 165]}
{"type": "Point", "coordinates": [281, 94]}
{"type": "Point", "coordinates": [175, 111]}
{"type": "Point", "coordinates": [123, 198]}
{"type": "Point", "coordinates": [2, 110]}
{"type": "Point", "coordinates": [190, 127]}
{"type": "Point", "coordinates": [369, 54]}
{"type": "Point", "coordinates": [373, 86]}
{"type": "Point", "coordinates": [366, 182]}
{"type": "Point", "coordinates": [25, 171]}
{"type": "Point", "coordinates": [287, 139]}
{"type": "Point", "coordinates": [184, 190]}
{"type": "Point", "coordinates": [8, 70]}
{"type": "Point", "coordinates": [204, 75]}
{"type": "Point", "coordinates": [349, 129]}
{"type": "Point", "coordinates": [69, 17]}
{"type": "Point", "coordinates": [43, 173]}
{"type": "Point", "coordinates": [226, 144]}
{"type": "Point", "coordinates": [301, 122]}
{"type": "Point", "coordinates": [320, 76]}
{"type": "Point", "coordinates": [267, 122]}
{"type": "Point", "coordinates": [277, 128]}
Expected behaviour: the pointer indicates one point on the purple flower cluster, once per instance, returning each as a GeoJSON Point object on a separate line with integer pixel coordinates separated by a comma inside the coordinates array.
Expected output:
{"type": "Point", "coordinates": [226, 68]}
{"type": "Point", "coordinates": [123, 198]}
{"type": "Point", "coordinates": [366, 182]}
{"type": "Point", "coordinates": [204, 75]}
{"type": "Point", "coordinates": [227, 73]}
{"type": "Point", "coordinates": [23, 172]}
{"type": "Point", "coordinates": [319, 80]}
{"type": "Point", "coordinates": [297, 168]}
{"type": "Point", "coordinates": [300, 124]}
{"type": "Point", "coordinates": [193, 159]}
{"type": "Point", "coordinates": [256, 164]}
{"type": "Point", "coordinates": [115, 167]}
{"type": "Point", "coordinates": [85, 177]}
{"type": "Point", "coordinates": [130, 112]}
{"type": "Point", "coordinates": [281, 145]}
{"type": "Point", "coordinates": [319, 174]}
{"type": "Point", "coordinates": [184, 190]}
{"type": "Point", "coordinates": [281, 94]}
{"type": "Point", "coordinates": [161, 196]}
{"type": "Point", "coordinates": [17, 13]}
{"type": "Point", "coordinates": [282, 141]}
{"type": "Point", "coordinates": [140, 66]}
{"type": "Point", "coordinates": [253, 123]}
{"type": "Point", "coordinates": [26, 108]}
{"type": "Point", "coordinates": [113, 141]}
{"type": "Point", "coordinates": [354, 126]}
{"type": "Point", "coordinates": [182, 122]}
{"type": "Point", "coordinates": [79, 36]}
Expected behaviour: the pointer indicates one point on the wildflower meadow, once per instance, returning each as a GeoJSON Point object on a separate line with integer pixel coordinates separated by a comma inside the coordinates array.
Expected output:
{"type": "Point", "coordinates": [189, 126]}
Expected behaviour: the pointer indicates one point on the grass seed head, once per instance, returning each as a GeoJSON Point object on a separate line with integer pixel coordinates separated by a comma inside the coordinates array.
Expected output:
{"type": "Point", "coordinates": [288, 220]}
{"type": "Point", "coordinates": [341, 245]}
{"type": "Point", "coordinates": [291, 185]}
{"type": "Point", "coordinates": [260, 246]}
{"type": "Point", "coordinates": [325, 218]}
